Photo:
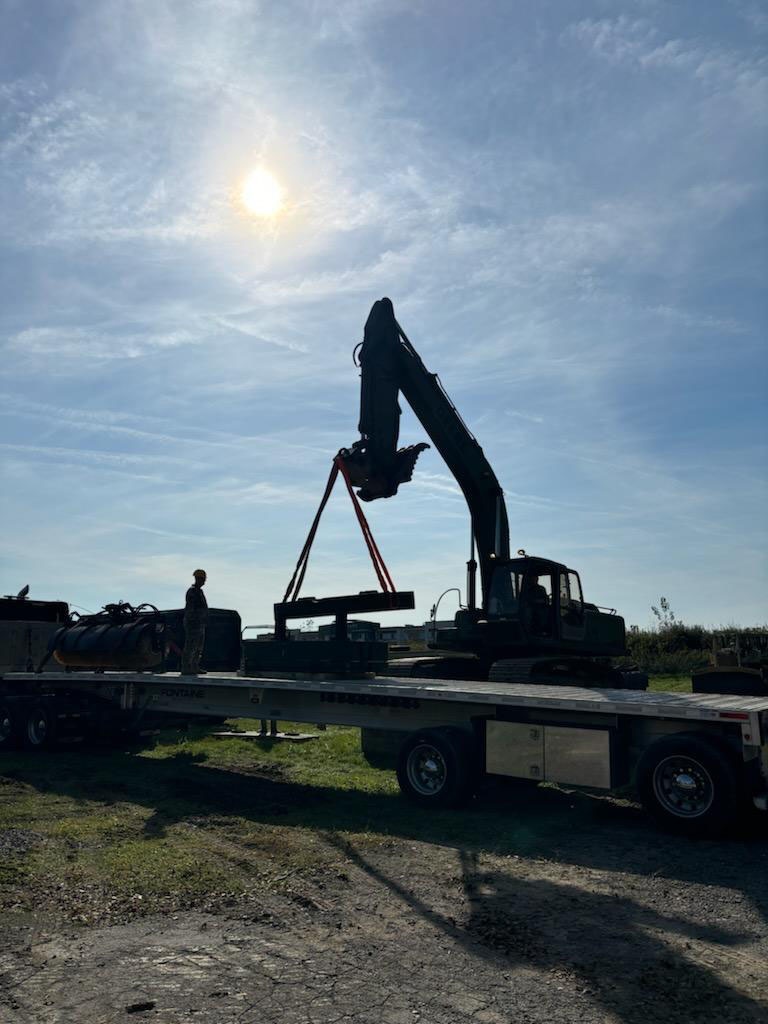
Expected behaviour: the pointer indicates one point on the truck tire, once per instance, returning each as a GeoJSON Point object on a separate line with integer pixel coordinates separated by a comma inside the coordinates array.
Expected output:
{"type": "Point", "coordinates": [437, 767]}
{"type": "Point", "coordinates": [690, 784]}
{"type": "Point", "coordinates": [8, 726]}
{"type": "Point", "coordinates": [39, 726]}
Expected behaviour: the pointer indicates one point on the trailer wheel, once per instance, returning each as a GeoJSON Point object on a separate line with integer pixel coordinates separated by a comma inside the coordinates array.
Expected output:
{"type": "Point", "coordinates": [8, 726]}
{"type": "Point", "coordinates": [690, 784]}
{"type": "Point", "coordinates": [39, 727]}
{"type": "Point", "coordinates": [436, 767]}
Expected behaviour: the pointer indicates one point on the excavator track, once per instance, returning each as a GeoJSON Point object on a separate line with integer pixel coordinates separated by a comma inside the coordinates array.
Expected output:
{"type": "Point", "coordinates": [564, 672]}
{"type": "Point", "coordinates": [512, 670]}
{"type": "Point", "coordinates": [437, 668]}
{"type": "Point", "coordinates": [542, 671]}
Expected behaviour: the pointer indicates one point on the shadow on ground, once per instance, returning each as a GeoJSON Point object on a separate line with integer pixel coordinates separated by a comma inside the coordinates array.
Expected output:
{"type": "Point", "coordinates": [531, 821]}
{"type": "Point", "coordinates": [615, 943]}
{"type": "Point", "coordinates": [617, 948]}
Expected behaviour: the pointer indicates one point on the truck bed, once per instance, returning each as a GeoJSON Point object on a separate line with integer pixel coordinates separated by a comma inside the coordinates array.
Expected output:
{"type": "Point", "coordinates": [696, 706]}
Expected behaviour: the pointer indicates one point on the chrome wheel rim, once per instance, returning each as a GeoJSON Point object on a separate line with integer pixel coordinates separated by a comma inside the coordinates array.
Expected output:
{"type": "Point", "coordinates": [683, 786]}
{"type": "Point", "coordinates": [426, 769]}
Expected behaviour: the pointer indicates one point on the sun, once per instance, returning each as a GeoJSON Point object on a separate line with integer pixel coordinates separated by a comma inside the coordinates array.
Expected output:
{"type": "Point", "coordinates": [262, 193]}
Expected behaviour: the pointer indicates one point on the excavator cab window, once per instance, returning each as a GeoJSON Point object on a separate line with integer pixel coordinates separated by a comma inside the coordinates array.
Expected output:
{"type": "Point", "coordinates": [504, 595]}
{"type": "Point", "coordinates": [536, 603]}
{"type": "Point", "coordinates": [525, 594]}
{"type": "Point", "coordinates": [571, 600]}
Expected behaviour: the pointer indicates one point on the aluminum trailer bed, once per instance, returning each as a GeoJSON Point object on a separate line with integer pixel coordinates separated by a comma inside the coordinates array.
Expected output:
{"type": "Point", "coordinates": [697, 760]}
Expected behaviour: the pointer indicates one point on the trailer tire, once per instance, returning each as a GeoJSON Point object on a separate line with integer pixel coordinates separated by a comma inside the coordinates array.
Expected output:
{"type": "Point", "coordinates": [437, 767]}
{"type": "Point", "coordinates": [690, 784]}
{"type": "Point", "coordinates": [39, 727]}
{"type": "Point", "coordinates": [9, 726]}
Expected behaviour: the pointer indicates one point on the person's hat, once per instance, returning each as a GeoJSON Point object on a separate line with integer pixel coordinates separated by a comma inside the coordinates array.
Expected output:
{"type": "Point", "coordinates": [199, 572]}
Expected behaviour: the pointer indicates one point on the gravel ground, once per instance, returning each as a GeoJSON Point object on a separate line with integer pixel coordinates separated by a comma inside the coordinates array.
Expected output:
{"type": "Point", "coordinates": [598, 918]}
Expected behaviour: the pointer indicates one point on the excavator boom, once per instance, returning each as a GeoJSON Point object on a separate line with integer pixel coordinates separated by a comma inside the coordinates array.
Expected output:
{"type": "Point", "coordinates": [391, 366]}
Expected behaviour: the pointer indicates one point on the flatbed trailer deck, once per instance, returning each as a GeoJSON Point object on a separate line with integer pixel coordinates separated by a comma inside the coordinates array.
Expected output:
{"type": "Point", "coordinates": [697, 761]}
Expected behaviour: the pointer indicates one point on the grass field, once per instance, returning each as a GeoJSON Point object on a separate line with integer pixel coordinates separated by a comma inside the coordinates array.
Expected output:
{"type": "Point", "coordinates": [185, 818]}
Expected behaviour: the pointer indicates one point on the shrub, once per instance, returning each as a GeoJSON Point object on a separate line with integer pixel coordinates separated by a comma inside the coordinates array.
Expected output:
{"type": "Point", "coordinates": [672, 648]}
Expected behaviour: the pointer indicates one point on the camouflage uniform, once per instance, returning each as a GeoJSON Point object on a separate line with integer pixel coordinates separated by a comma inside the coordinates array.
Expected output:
{"type": "Point", "coordinates": [195, 620]}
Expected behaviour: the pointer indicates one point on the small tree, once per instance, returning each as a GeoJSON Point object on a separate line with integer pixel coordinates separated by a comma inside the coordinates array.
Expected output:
{"type": "Point", "coordinates": [664, 614]}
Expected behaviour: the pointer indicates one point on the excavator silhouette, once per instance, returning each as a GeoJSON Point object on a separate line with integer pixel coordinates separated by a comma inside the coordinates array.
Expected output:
{"type": "Point", "coordinates": [532, 623]}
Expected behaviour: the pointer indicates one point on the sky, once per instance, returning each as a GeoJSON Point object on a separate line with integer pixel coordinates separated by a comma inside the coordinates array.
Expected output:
{"type": "Point", "coordinates": [566, 203]}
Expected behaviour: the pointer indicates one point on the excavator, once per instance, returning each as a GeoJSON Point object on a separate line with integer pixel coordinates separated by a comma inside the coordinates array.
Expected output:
{"type": "Point", "coordinates": [531, 622]}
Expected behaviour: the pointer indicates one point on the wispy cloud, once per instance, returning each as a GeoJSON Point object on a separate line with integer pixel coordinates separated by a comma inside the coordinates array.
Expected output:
{"type": "Point", "coordinates": [692, 321]}
{"type": "Point", "coordinates": [93, 343]}
{"type": "Point", "coordinates": [93, 456]}
{"type": "Point", "coordinates": [569, 220]}
{"type": "Point", "coordinates": [151, 430]}
{"type": "Point", "coordinates": [640, 43]}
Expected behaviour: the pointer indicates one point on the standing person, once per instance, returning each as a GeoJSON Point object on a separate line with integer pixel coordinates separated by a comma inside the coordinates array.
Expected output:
{"type": "Point", "coordinates": [195, 620]}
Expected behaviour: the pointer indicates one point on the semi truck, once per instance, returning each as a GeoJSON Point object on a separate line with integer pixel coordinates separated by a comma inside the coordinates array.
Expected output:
{"type": "Point", "coordinates": [698, 762]}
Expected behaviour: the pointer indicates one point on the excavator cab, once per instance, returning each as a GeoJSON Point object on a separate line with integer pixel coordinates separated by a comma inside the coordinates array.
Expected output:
{"type": "Point", "coordinates": [535, 605]}
{"type": "Point", "coordinates": [544, 596]}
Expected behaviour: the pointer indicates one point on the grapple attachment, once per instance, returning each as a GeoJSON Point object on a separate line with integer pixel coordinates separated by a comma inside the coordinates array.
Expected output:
{"type": "Point", "coordinates": [377, 477]}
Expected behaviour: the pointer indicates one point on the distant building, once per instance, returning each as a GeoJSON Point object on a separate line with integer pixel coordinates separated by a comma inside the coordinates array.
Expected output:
{"type": "Point", "coordinates": [292, 634]}
{"type": "Point", "coordinates": [402, 634]}
{"type": "Point", "coordinates": [394, 634]}
{"type": "Point", "coordinates": [410, 633]}
{"type": "Point", "coordinates": [431, 627]}
{"type": "Point", "coordinates": [357, 629]}
{"type": "Point", "coordinates": [363, 629]}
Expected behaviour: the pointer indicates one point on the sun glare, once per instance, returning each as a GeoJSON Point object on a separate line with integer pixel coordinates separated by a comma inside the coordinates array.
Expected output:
{"type": "Point", "coordinates": [262, 194]}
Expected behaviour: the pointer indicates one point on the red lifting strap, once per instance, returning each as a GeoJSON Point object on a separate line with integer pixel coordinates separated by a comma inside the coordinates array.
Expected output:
{"type": "Point", "coordinates": [378, 562]}
{"type": "Point", "coordinates": [385, 580]}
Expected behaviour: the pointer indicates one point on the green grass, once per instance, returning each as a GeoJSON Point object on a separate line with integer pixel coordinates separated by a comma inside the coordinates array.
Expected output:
{"type": "Point", "coordinates": [188, 815]}
{"type": "Point", "coordinates": [161, 866]}
{"type": "Point", "coordinates": [14, 872]}
{"type": "Point", "coordinates": [670, 684]}
{"type": "Point", "coordinates": [191, 816]}
{"type": "Point", "coordinates": [333, 759]}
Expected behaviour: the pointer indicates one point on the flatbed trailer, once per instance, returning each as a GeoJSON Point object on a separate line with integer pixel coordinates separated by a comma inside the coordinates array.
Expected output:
{"type": "Point", "coordinates": [698, 762]}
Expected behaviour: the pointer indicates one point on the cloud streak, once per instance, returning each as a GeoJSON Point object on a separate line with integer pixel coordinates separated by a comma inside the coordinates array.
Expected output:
{"type": "Point", "coordinates": [567, 209]}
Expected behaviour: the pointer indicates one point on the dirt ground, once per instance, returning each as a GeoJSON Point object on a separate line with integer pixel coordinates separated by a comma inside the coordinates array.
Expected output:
{"type": "Point", "coordinates": [589, 915]}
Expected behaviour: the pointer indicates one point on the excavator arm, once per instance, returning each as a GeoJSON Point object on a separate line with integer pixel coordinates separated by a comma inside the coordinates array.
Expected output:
{"type": "Point", "coordinates": [551, 628]}
{"type": "Point", "coordinates": [391, 366]}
